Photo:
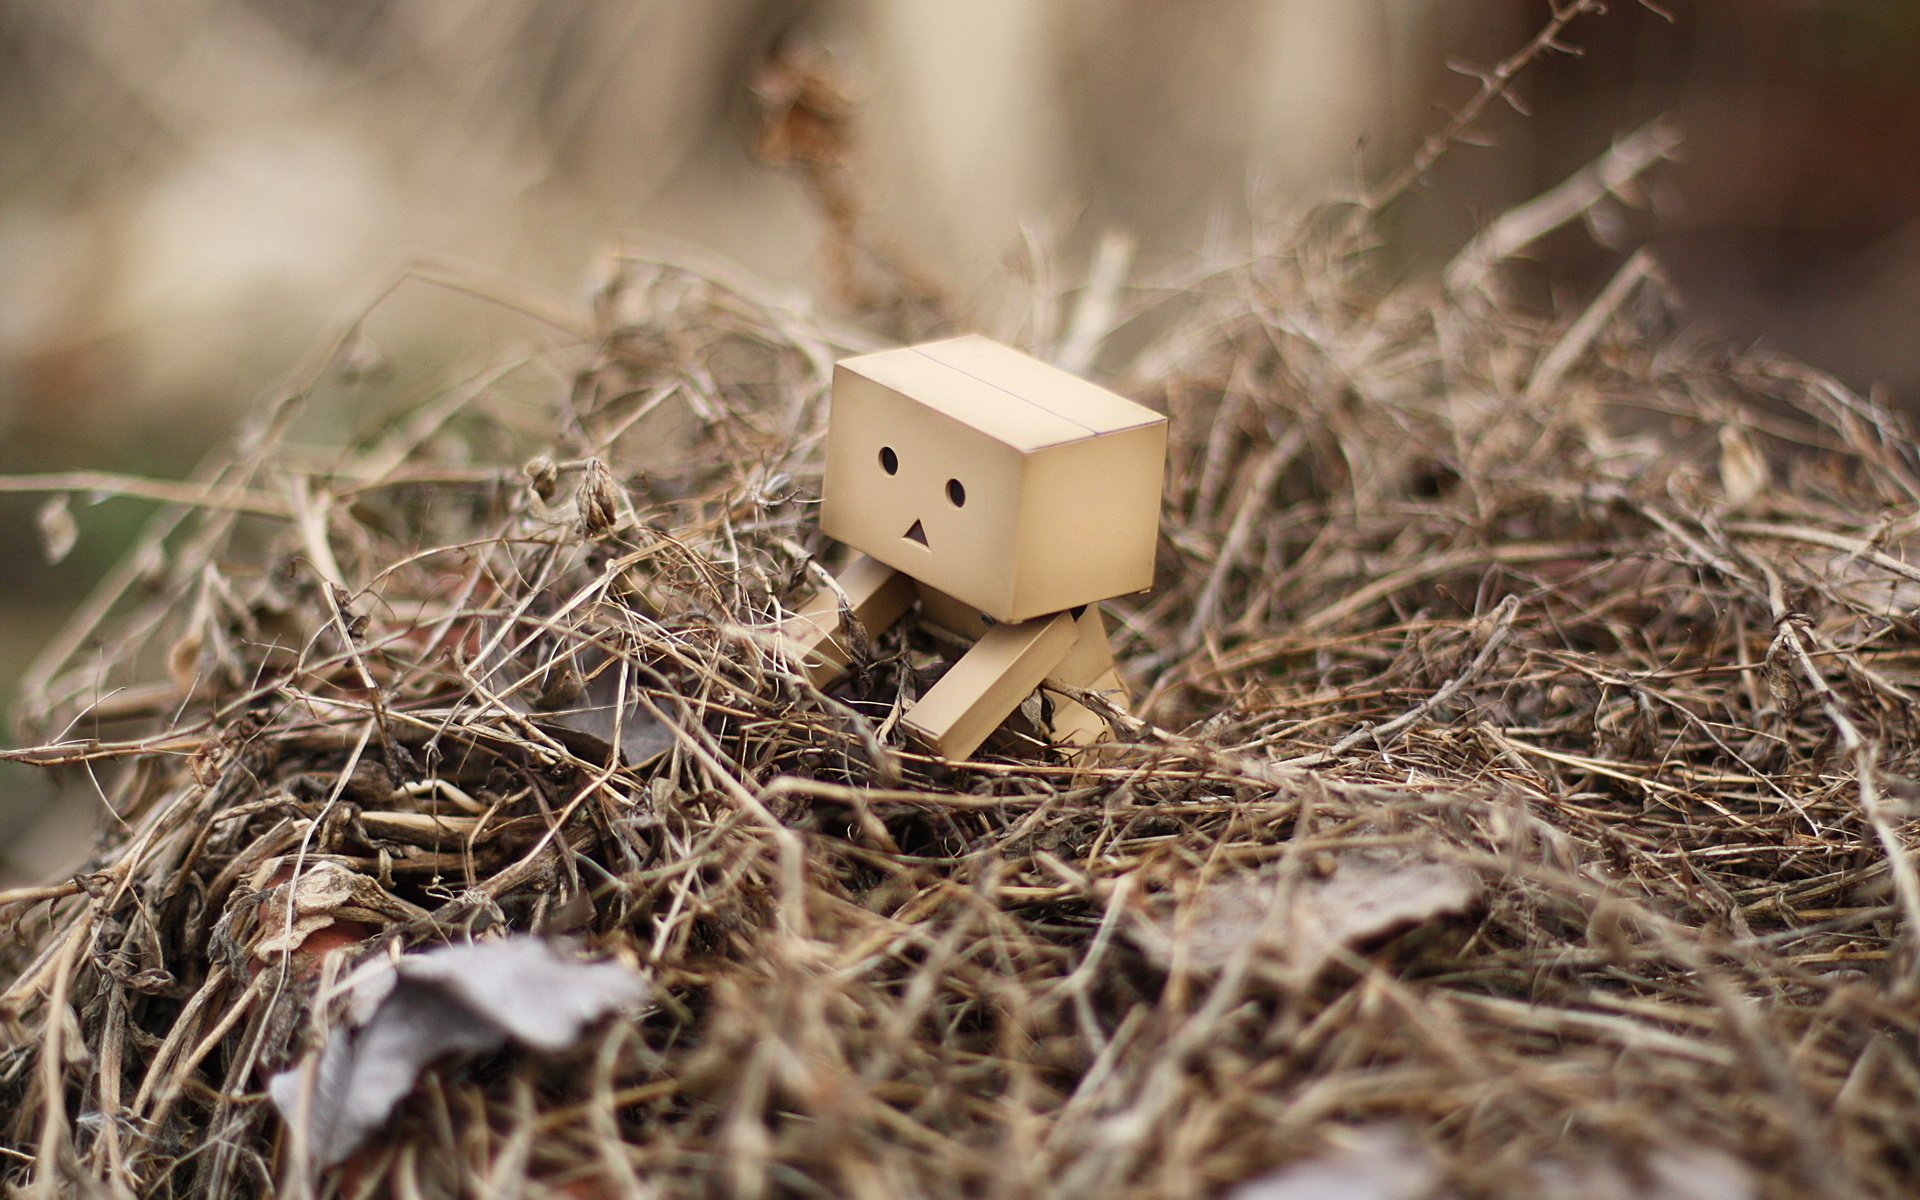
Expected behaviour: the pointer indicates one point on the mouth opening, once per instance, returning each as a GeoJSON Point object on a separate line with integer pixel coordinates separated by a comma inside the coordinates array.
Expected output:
{"type": "Point", "coordinates": [917, 533]}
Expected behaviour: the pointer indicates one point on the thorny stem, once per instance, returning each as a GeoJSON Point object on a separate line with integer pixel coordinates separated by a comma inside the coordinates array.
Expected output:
{"type": "Point", "coordinates": [1493, 85]}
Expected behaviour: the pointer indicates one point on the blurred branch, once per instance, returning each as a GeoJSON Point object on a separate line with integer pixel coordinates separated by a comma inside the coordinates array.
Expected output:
{"type": "Point", "coordinates": [1609, 175]}
{"type": "Point", "coordinates": [1493, 84]}
{"type": "Point", "coordinates": [1094, 316]}
{"type": "Point", "coordinates": [106, 483]}
{"type": "Point", "coordinates": [1579, 336]}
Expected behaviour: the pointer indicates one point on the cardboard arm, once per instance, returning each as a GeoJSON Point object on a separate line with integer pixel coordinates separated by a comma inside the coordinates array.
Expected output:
{"type": "Point", "coordinates": [987, 684]}
{"type": "Point", "coordinates": [876, 594]}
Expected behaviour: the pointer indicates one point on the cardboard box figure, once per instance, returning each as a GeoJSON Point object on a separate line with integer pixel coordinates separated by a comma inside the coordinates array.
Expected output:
{"type": "Point", "coordinates": [1007, 497]}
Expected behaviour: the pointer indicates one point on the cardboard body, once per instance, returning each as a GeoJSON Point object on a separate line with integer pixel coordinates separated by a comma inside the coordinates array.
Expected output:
{"type": "Point", "coordinates": [1006, 483]}
{"type": "Point", "coordinates": [1007, 497]}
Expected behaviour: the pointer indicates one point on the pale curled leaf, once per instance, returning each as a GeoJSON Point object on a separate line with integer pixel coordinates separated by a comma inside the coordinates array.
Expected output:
{"type": "Point", "coordinates": [1666, 1174]}
{"type": "Point", "coordinates": [58, 530]}
{"type": "Point", "coordinates": [527, 989]}
{"type": "Point", "coordinates": [1034, 709]}
{"type": "Point", "coordinates": [1369, 896]}
{"type": "Point", "coordinates": [1306, 922]}
{"type": "Point", "coordinates": [1382, 1163]}
{"type": "Point", "coordinates": [361, 1077]}
{"type": "Point", "coordinates": [454, 1001]}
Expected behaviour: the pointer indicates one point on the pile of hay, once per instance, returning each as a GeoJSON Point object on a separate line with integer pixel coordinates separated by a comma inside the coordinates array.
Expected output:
{"type": "Point", "coordinates": [1519, 797]}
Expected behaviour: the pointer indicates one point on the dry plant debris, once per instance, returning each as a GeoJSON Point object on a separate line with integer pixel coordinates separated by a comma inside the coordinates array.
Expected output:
{"type": "Point", "coordinates": [455, 1000]}
{"type": "Point", "coordinates": [1565, 669]}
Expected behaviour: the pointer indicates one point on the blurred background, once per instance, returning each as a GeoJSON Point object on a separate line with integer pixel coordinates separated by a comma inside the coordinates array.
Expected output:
{"type": "Point", "coordinates": [197, 197]}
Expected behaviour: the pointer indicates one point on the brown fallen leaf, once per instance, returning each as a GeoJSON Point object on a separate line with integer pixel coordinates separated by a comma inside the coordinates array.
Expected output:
{"type": "Point", "coordinates": [1380, 1163]}
{"type": "Point", "coordinates": [1692, 1173]}
{"type": "Point", "coordinates": [456, 1001]}
{"type": "Point", "coordinates": [579, 704]}
{"type": "Point", "coordinates": [587, 725]}
{"type": "Point", "coordinates": [283, 909]}
{"type": "Point", "coordinates": [1305, 923]}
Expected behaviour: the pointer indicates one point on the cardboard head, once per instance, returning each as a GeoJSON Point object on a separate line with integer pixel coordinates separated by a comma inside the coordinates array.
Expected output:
{"type": "Point", "coordinates": [1006, 483]}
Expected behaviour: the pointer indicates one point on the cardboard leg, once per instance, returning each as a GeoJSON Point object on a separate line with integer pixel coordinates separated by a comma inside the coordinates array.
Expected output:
{"type": "Point", "coordinates": [878, 596]}
{"type": "Point", "coordinates": [987, 684]}
{"type": "Point", "coordinates": [1091, 657]}
{"type": "Point", "coordinates": [1073, 727]}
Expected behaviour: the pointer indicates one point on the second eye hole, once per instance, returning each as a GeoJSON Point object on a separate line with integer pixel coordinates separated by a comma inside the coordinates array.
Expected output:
{"type": "Point", "coordinates": [889, 461]}
{"type": "Point", "coordinates": [956, 492]}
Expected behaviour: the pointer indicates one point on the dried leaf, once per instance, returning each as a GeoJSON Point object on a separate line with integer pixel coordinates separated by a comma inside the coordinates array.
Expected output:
{"type": "Point", "coordinates": [592, 714]}
{"type": "Point", "coordinates": [1667, 1174]}
{"type": "Point", "coordinates": [58, 530]}
{"type": "Point", "coordinates": [1384, 1163]}
{"type": "Point", "coordinates": [527, 989]}
{"type": "Point", "coordinates": [292, 907]}
{"type": "Point", "coordinates": [1364, 896]}
{"type": "Point", "coordinates": [1034, 709]}
{"type": "Point", "coordinates": [454, 1001]}
{"type": "Point", "coordinates": [285, 911]}
{"type": "Point", "coordinates": [1369, 896]}
{"type": "Point", "coordinates": [804, 112]}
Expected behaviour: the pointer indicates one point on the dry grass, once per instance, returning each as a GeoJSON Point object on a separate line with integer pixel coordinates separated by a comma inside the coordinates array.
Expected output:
{"type": "Point", "coordinates": [1618, 629]}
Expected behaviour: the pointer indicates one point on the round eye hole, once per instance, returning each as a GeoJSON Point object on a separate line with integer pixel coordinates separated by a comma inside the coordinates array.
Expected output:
{"type": "Point", "coordinates": [889, 461]}
{"type": "Point", "coordinates": [956, 493]}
